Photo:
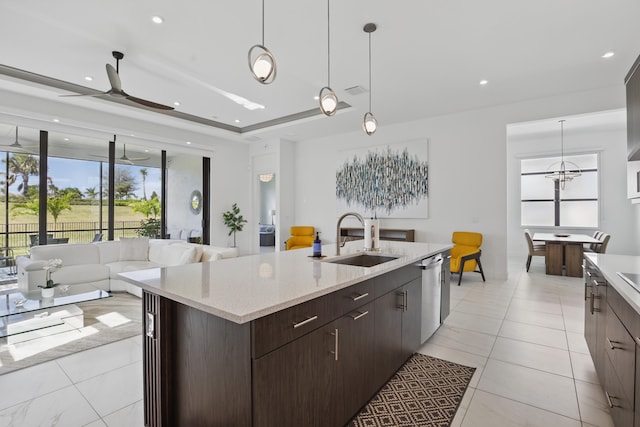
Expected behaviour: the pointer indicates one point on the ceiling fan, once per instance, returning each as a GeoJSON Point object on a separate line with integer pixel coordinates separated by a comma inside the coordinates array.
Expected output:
{"type": "Point", "coordinates": [16, 144]}
{"type": "Point", "coordinates": [116, 87]}
{"type": "Point", "coordinates": [130, 160]}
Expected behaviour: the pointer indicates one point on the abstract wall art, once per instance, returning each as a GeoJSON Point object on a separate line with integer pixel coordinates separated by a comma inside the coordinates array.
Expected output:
{"type": "Point", "coordinates": [388, 181]}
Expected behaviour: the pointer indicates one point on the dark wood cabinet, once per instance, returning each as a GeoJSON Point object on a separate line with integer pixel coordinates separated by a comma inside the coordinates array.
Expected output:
{"type": "Point", "coordinates": [295, 385]}
{"type": "Point", "coordinates": [400, 235]}
{"type": "Point", "coordinates": [595, 316]}
{"type": "Point", "coordinates": [632, 83]}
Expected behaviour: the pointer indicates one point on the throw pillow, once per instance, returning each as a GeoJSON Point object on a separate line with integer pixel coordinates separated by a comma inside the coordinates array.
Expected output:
{"type": "Point", "coordinates": [134, 249]}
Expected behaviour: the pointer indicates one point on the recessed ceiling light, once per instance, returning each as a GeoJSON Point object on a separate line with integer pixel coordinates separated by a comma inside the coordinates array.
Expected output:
{"type": "Point", "coordinates": [484, 82]}
{"type": "Point", "coordinates": [157, 19]}
{"type": "Point", "coordinates": [88, 78]}
{"type": "Point", "coordinates": [56, 120]}
{"type": "Point", "coordinates": [66, 139]}
{"type": "Point", "coordinates": [316, 97]}
{"type": "Point", "coordinates": [237, 121]}
{"type": "Point", "coordinates": [608, 54]}
{"type": "Point", "coordinates": [188, 142]}
{"type": "Point", "coordinates": [146, 151]}
{"type": "Point", "coordinates": [176, 103]}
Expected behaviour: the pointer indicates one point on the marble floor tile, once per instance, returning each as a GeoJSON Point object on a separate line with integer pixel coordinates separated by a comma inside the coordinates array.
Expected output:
{"type": "Point", "coordinates": [534, 334]}
{"type": "Point", "coordinates": [548, 359]}
{"type": "Point", "coordinates": [129, 416]}
{"type": "Point", "coordinates": [89, 363]}
{"type": "Point", "coordinates": [577, 343]}
{"type": "Point", "coordinates": [583, 368]}
{"type": "Point", "coordinates": [473, 322]}
{"type": "Point", "coordinates": [593, 404]}
{"type": "Point", "coordinates": [551, 392]}
{"type": "Point", "coordinates": [482, 308]}
{"type": "Point", "coordinates": [524, 304]}
{"type": "Point", "coordinates": [546, 320]}
{"type": "Point", "coordinates": [114, 390]}
{"type": "Point", "coordinates": [490, 410]}
{"type": "Point", "coordinates": [463, 339]}
{"type": "Point", "coordinates": [64, 407]}
{"type": "Point", "coordinates": [29, 383]}
{"type": "Point", "coordinates": [462, 408]}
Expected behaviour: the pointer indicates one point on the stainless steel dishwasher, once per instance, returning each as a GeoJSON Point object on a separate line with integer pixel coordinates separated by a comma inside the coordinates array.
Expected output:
{"type": "Point", "coordinates": [431, 295]}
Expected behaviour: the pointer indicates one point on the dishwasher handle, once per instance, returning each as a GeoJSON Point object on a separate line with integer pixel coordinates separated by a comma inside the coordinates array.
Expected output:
{"type": "Point", "coordinates": [431, 262]}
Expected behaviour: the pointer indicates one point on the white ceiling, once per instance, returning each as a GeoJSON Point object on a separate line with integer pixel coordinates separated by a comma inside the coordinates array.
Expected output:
{"type": "Point", "coordinates": [428, 57]}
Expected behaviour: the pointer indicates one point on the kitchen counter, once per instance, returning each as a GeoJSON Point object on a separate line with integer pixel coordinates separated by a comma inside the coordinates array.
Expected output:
{"type": "Point", "coordinates": [610, 265]}
{"type": "Point", "coordinates": [250, 287]}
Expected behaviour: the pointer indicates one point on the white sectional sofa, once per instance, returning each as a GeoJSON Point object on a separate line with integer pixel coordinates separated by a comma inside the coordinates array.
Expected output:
{"type": "Point", "coordinates": [99, 263]}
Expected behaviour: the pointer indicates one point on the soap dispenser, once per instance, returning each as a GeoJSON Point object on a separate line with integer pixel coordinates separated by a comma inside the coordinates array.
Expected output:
{"type": "Point", "coordinates": [317, 247]}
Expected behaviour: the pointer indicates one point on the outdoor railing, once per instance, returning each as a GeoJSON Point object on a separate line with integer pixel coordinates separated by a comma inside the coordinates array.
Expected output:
{"type": "Point", "coordinates": [77, 232]}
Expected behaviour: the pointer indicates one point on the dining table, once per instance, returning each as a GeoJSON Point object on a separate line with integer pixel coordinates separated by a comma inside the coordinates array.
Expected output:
{"type": "Point", "coordinates": [564, 251]}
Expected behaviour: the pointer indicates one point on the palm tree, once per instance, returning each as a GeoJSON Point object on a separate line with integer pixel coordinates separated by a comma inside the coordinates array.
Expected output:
{"type": "Point", "coordinates": [91, 193]}
{"type": "Point", "coordinates": [24, 165]}
{"type": "Point", "coordinates": [144, 172]}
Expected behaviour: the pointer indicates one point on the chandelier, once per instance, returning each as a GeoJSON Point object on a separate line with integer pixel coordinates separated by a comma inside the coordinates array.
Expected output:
{"type": "Point", "coordinates": [562, 171]}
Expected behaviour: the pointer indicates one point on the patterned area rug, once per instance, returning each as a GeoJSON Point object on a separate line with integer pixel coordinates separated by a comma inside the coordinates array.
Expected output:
{"type": "Point", "coordinates": [105, 321]}
{"type": "Point", "coordinates": [425, 392]}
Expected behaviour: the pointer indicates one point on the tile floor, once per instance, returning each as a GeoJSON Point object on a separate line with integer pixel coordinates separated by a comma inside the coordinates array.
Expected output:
{"type": "Point", "coordinates": [524, 336]}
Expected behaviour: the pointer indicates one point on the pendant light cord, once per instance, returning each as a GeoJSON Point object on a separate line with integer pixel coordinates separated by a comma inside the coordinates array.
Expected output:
{"type": "Point", "coordinates": [562, 140]}
{"type": "Point", "coordinates": [328, 45]}
{"type": "Point", "coordinates": [262, 22]}
{"type": "Point", "coordinates": [370, 87]}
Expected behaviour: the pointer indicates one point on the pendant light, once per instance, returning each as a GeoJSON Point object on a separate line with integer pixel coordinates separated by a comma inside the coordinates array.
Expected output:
{"type": "Point", "coordinates": [369, 124]}
{"type": "Point", "coordinates": [261, 61]}
{"type": "Point", "coordinates": [562, 175]}
{"type": "Point", "coordinates": [328, 98]}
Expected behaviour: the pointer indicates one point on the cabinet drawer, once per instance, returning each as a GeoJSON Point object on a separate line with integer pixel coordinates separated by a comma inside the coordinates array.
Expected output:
{"type": "Point", "coordinates": [621, 351]}
{"type": "Point", "coordinates": [277, 329]}
{"type": "Point", "coordinates": [626, 314]}
{"type": "Point", "coordinates": [620, 407]}
{"type": "Point", "coordinates": [348, 299]}
{"type": "Point", "coordinates": [396, 278]}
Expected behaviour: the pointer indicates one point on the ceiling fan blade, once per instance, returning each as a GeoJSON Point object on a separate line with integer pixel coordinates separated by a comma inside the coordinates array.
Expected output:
{"type": "Point", "coordinates": [149, 104]}
{"type": "Point", "coordinates": [114, 79]}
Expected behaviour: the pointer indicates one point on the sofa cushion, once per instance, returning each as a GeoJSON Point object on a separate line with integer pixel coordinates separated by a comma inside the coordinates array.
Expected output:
{"type": "Point", "coordinates": [84, 273]}
{"type": "Point", "coordinates": [124, 266]}
{"type": "Point", "coordinates": [174, 254]}
{"type": "Point", "coordinates": [70, 254]}
{"type": "Point", "coordinates": [109, 251]}
{"type": "Point", "coordinates": [134, 249]}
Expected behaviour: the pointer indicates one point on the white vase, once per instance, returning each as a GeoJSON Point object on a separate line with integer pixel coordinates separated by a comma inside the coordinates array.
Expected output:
{"type": "Point", "coordinates": [47, 292]}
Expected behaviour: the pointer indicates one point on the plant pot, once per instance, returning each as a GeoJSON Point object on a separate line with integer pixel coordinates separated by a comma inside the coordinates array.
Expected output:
{"type": "Point", "coordinates": [47, 292]}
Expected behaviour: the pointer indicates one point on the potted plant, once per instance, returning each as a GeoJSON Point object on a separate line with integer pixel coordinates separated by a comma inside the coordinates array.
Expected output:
{"type": "Point", "coordinates": [149, 227]}
{"type": "Point", "coordinates": [234, 220]}
{"type": "Point", "coordinates": [51, 266]}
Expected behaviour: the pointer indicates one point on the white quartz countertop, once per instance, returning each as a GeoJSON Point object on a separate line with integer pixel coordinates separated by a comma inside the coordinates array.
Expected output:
{"type": "Point", "coordinates": [246, 288]}
{"type": "Point", "coordinates": [610, 265]}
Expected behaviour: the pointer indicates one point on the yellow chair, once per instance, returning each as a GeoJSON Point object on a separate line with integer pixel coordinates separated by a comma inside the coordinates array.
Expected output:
{"type": "Point", "coordinates": [301, 237]}
{"type": "Point", "coordinates": [465, 255]}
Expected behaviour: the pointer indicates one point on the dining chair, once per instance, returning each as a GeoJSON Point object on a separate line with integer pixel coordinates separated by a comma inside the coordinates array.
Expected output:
{"type": "Point", "coordinates": [604, 241]}
{"type": "Point", "coordinates": [534, 250]}
{"type": "Point", "coordinates": [592, 246]}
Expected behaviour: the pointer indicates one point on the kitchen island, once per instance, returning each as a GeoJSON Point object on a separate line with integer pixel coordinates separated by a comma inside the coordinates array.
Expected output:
{"type": "Point", "coordinates": [612, 331]}
{"type": "Point", "coordinates": [278, 339]}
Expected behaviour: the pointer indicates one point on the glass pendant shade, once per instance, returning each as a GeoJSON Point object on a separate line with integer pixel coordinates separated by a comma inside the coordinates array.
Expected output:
{"type": "Point", "coordinates": [262, 64]}
{"type": "Point", "coordinates": [328, 101]}
{"type": "Point", "coordinates": [369, 124]}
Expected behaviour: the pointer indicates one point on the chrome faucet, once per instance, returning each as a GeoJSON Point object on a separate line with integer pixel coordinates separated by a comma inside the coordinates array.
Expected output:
{"type": "Point", "coordinates": [355, 214]}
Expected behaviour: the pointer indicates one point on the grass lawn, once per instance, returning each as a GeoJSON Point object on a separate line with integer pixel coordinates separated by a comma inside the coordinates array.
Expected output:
{"type": "Point", "coordinates": [78, 213]}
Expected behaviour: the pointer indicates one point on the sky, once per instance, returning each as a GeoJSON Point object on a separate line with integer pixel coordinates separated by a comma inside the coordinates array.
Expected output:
{"type": "Point", "coordinates": [85, 174]}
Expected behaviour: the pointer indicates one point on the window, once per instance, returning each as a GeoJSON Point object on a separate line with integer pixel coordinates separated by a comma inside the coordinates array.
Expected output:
{"type": "Point", "coordinates": [545, 203]}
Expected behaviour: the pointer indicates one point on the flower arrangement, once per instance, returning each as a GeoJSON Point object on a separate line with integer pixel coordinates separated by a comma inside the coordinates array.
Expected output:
{"type": "Point", "coordinates": [52, 265]}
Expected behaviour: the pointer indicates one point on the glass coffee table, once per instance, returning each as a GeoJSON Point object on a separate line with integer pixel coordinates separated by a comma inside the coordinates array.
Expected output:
{"type": "Point", "coordinates": [27, 315]}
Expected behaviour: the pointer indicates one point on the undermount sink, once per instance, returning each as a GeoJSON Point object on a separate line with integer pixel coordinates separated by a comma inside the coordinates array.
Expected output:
{"type": "Point", "coordinates": [363, 260]}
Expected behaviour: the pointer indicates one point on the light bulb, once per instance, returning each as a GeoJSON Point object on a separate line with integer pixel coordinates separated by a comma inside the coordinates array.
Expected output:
{"type": "Point", "coordinates": [328, 101]}
{"type": "Point", "coordinates": [262, 66]}
{"type": "Point", "coordinates": [369, 124]}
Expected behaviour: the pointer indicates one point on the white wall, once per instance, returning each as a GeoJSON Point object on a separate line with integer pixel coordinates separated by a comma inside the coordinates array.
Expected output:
{"type": "Point", "coordinates": [184, 174]}
{"type": "Point", "coordinates": [467, 170]}
{"type": "Point", "coordinates": [230, 183]}
{"type": "Point", "coordinates": [616, 212]}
